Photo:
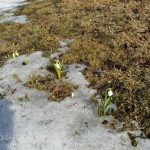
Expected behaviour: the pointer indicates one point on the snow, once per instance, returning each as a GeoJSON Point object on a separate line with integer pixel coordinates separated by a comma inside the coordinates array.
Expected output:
{"type": "Point", "coordinates": [9, 6]}
{"type": "Point", "coordinates": [74, 72]}
{"type": "Point", "coordinates": [63, 48]}
{"type": "Point", "coordinates": [30, 121]}
{"type": "Point", "coordinates": [9, 17]}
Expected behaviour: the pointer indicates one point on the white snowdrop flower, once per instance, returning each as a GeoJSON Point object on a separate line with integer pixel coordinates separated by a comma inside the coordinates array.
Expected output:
{"type": "Point", "coordinates": [17, 54]}
{"type": "Point", "coordinates": [57, 65]}
{"type": "Point", "coordinates": [72, 95]}
{"type": "Point", "coordinates": [110, 93]}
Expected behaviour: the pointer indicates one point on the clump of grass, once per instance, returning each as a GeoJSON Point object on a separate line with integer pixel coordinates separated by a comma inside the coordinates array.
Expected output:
{"type": "Point", "coordinates": [60, 91]}
{"type": "Point", "coordinates": [40, 82]}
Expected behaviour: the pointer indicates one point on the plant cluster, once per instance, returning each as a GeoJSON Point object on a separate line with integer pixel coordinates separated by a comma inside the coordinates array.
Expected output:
{"type": "Point", "coordinates": [101, 109]}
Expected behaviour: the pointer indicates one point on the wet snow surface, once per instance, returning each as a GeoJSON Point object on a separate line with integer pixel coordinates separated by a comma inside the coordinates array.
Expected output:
{"type": "Point", "coordinates": [29, 122]}
{"type": "Point", "coordinates": [9, 6]}
{"type": "Point", "coordinates": [9, 17]}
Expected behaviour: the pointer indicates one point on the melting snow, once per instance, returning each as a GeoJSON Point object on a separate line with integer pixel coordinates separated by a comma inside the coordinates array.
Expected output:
{"type": "Point", "coordinates": [10, 5]}
{"type": "Point", "coordinates": [9, 17]}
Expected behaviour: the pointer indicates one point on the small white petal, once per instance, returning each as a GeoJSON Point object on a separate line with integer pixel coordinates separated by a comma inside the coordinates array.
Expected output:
{"type": "Point", "coordinates": [57, 65]}
{"type": "Point", "coordinates": [72, 95]}
{"type": "Point", "coordinates": [17, 54]}
{"type": "Point", "coordinates": [110, 93]}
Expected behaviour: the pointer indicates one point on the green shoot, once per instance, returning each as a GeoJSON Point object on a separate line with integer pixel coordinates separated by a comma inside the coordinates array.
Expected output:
{"type": "Point", "coordinates": [58, 68]}
{"type": "Point", "coordinates": [102, 110]}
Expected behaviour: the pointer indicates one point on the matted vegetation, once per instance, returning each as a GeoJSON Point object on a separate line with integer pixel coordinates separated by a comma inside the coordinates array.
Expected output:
{"type": "Point", "coordinates": [111, 38]}
{"type": "Point", "coordinates": [40, 82]}
{"type": "Point", "coordinates": [58, 90]}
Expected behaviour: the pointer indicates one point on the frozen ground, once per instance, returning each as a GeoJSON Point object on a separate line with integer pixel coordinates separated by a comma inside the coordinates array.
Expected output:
{"type": "Point", "coordinates": [9, 6]}
{"type": "Point", "coordinates": [29, 122]}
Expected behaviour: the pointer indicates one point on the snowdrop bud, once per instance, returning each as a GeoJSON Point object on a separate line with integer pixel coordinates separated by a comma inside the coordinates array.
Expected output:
{"type": "Point", "coordinates": [57, 65]}
{"type": "Point", "coordinates": [14, 56]}
{"type": "Point", "coordinates": [72, 95]}
{"type": "Point", "coordinates": [17, 54]}
{"type": "Point", "coordinates": [110, 93]}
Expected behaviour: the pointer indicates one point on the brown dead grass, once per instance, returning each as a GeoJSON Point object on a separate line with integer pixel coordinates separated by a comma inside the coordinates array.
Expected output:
{"type": "Point", "coordinates": [58, 90]}
{"type": "Point", "coordinates": [64, 90]}
{"type": "Point", "coordinates": [40, 82]}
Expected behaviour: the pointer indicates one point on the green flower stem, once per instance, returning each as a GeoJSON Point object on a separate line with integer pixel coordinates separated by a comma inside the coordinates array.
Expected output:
{"type": "Point", "coordinates": [58, 67]}
{"type": "Point", "coordinates": [101, 110]}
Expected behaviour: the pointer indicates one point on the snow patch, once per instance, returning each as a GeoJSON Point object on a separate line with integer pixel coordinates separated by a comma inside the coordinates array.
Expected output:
{"type": "Point", "coordinates": [9, 17]}
{"type": "Point", "coordinates": [10, 6]}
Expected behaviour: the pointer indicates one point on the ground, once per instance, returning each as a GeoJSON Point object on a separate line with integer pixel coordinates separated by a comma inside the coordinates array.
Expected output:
{"type": "Point", "coordinates": [110, 37]}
